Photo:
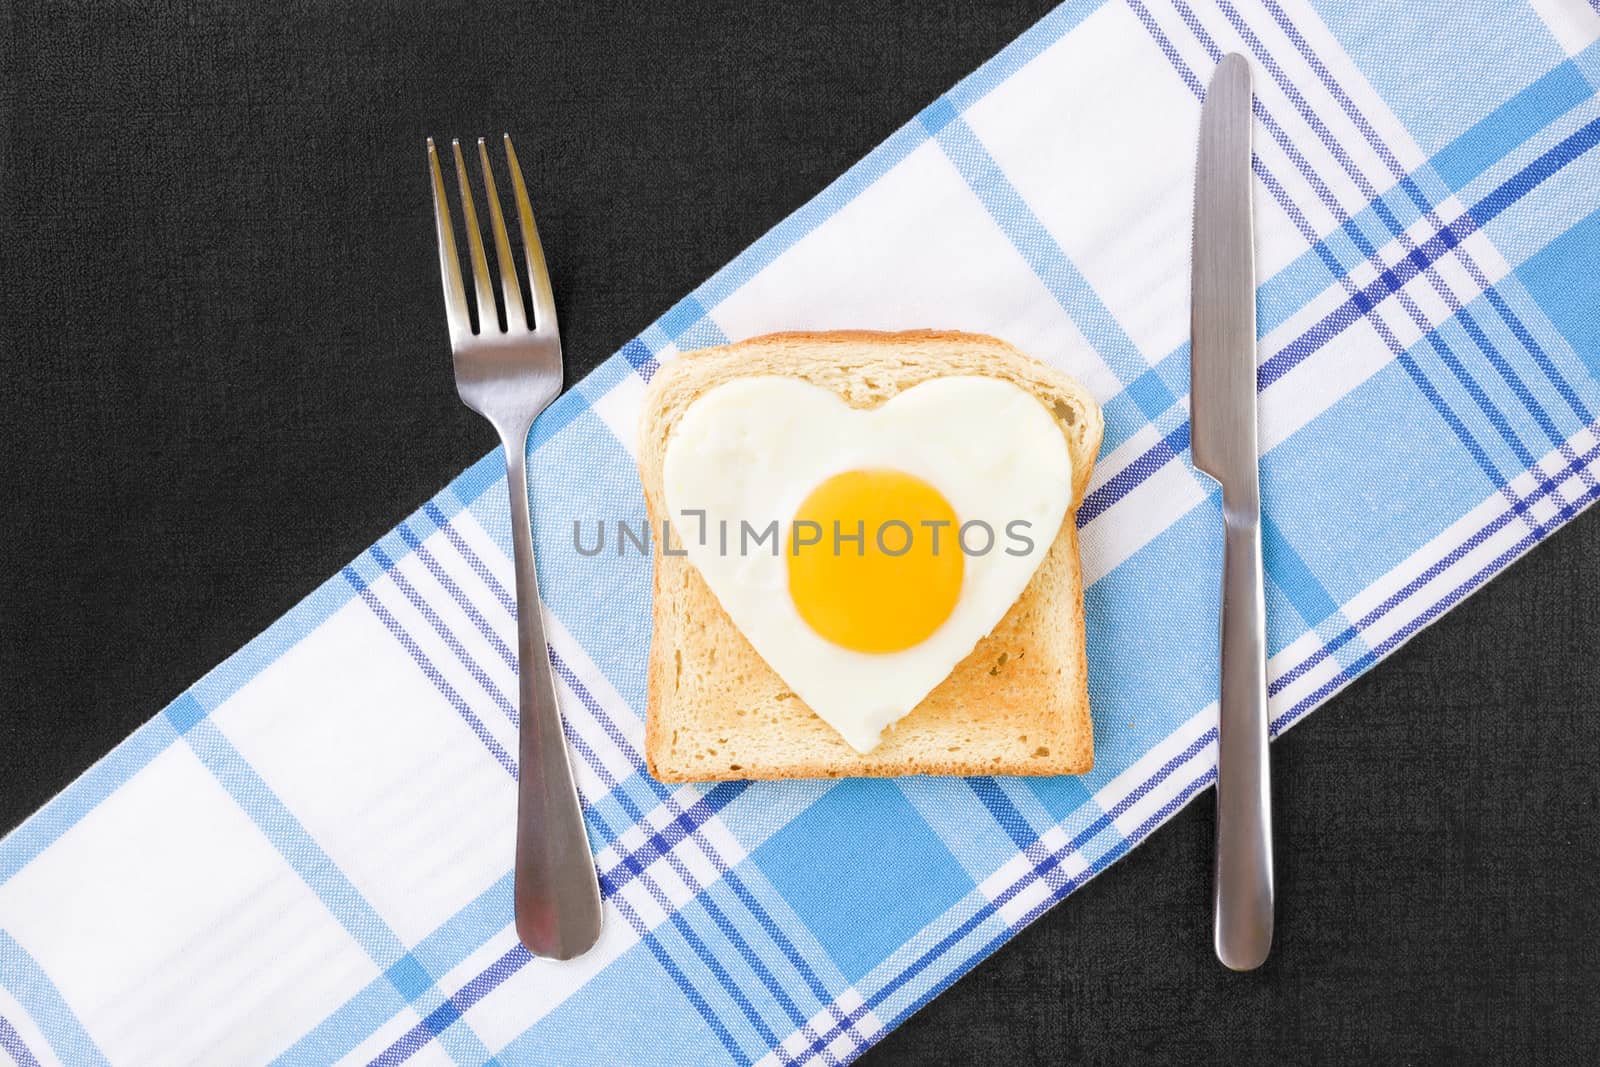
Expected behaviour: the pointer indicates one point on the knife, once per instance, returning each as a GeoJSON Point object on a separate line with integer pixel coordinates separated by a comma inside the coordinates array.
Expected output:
{"type": "Point", "coordinates": [1222, 416]}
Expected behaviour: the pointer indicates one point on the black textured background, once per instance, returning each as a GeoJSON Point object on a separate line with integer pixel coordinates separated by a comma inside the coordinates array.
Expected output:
{"type": "Point", "coordinates": [225, 373]}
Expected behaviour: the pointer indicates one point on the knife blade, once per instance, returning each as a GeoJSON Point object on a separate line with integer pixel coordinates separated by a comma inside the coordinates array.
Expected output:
{"type": "Point", "coordinates": [1223, 443]}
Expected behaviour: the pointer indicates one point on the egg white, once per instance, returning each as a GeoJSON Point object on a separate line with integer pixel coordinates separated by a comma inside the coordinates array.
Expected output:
{"type": "Point", "coordinates": [754, 448]}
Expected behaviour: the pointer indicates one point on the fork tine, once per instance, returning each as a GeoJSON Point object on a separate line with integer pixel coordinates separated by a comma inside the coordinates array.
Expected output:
{"type": "Point", "coordinates": [488, 321]}
{"type": "Point", "coordinates": [509, 289]}
{"type": "Point", "coordinates": [455, 296]}
{"type": "Point", "coordinates": [544, 301]}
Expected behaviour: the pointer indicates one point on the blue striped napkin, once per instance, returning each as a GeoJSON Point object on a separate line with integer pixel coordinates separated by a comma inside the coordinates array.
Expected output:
{"type": "Point", "coordinates": [305, 857]}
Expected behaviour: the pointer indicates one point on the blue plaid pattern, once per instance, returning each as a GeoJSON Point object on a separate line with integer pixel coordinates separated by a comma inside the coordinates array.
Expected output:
{"type": "Point", "coordinates": [311, 844]}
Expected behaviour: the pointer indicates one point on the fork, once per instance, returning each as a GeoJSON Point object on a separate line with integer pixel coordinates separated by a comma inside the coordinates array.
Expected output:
{"type": "Point", "coordinates": [509, 376]}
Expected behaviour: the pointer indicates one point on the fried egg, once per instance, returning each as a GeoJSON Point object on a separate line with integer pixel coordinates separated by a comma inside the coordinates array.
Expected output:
{"type": "Point", "coordinates": [865, 553]}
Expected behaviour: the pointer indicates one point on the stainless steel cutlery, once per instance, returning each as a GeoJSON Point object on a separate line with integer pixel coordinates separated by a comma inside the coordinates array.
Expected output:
{"type": "Point", "coordinates": [1222, 413]}
{"type": "Point", "coordinates": [509, 375]}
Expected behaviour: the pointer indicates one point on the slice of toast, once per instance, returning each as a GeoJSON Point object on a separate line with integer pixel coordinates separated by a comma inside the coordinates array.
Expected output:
{"type": "Point", "coordinates": [1018, 704]}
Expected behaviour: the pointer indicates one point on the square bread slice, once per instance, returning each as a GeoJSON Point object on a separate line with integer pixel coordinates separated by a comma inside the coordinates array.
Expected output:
{"type": "Point", "coordinates": [1018, 704]}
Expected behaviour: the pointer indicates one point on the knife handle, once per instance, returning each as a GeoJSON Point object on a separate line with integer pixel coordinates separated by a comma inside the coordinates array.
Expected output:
{"type": "Point", "coordinates": [1243, 893]}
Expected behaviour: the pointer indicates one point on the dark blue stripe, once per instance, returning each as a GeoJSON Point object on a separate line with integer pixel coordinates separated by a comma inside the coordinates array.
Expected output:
{"type": "Point", "coordinates": [735, 937]}
{"type": "Point", "coordinates": [17, 1048]}
{"type": "Point", "coordinates": [1362, 301]}
{"type": "Point", "coordinates": [1328, 648]}
{"type": "Point", "coordinates": [432, 673]}
{"type": "Point", "coordinates": [640, 358]}
{"type": "Point", "coordinates": [1012, 821]}
{"type": "Point", "coordinates": [441, 1018]}
{"type": "Point", "coordinates": [1489, 409]}
{"type": "Point", "coordinates": [1520, 388]}
{"type": "Point", "coordinates": [450, 586]}
{"type": "Point", "coordinates": [1167, 49]}
{"type": "Point", "coordinates": [429, 615]}
{"type": "Point", "coordinates": [612, 730]}
{"type": "Point", "coordinates": [1124, 481]}
{"type": "Point", "coordinates": [514, 959]}
{"type": "Point", "coordinates": [1425, 385]}
{"type": "Point", "coordinates": [479, 568]}
{"type": "Point", "coordinates": [1508, 375]}
{"type": "Point", "coordinates": [1525, 336]}
{"type": "Point", "coordinates": [741, 891]}
{"type": "Point", "coordinates": [1528, 178]}
{"type": "Point", "coordinates": [724, 979]}
{"type": "Point", "coordinates": [668, 964]}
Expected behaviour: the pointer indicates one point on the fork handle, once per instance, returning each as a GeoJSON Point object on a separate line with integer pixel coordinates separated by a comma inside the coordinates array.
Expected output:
{"type": "Point", "coordinates": [556, 894]}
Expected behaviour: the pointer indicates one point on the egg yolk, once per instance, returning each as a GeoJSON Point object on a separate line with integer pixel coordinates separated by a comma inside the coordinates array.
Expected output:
{"type": "Point", "coordinates": [874, 564]}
